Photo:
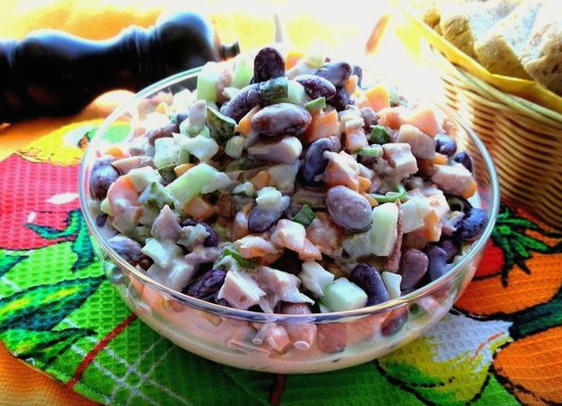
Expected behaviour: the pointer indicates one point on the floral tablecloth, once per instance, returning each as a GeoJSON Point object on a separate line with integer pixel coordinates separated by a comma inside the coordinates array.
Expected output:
{"type": "Point", "coordinates": [500, 345]}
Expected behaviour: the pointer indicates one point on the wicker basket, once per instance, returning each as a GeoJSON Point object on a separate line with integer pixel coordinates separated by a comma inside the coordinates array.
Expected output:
{"type": "Point", "coordinates": [524, 139]}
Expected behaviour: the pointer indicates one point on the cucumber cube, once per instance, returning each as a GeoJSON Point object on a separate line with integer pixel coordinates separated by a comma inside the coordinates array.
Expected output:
{"type": "Point", "coordinates": [155, 196]}
{"type": "Point", "coordinates": [295, 94]}
{"type": "Point", "coordinates": [316, 104]}
{"type": "Point", "coordinates": [243, 72]}
{"type": "Point", "coordinates": [344, 295]}
{"type": "Point", "coordinates": [202, 147]}
{"type": "Point", "coordinates": [161, 252]}
{"type": "Point", "coordinates": [207, 81]}
{"type": "Point", "coordinates": [105, 207]}
{"type": "Point", "coordinates": [142, 177]}
{"type": "Point", "coordinates": [392, 282]}
{"type": "Point", "coordinates": [166, 152]}
{"type": "Point", "coordinates": [384, 230]}
{"type": "Point", "coordinates": [234, 147]}
{"type": "Point", "coordinates": [191, 183]}
{"type": "Point", "coordinates": [315, 278]}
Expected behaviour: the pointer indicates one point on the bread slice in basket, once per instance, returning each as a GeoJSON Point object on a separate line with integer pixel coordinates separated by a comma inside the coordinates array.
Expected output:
{"type": "Point", "coordinates": [464, 24]}
{"type": "Point", "coordinates": [500, 48]}
{"type": "Point", "coordinates": [542, 55]}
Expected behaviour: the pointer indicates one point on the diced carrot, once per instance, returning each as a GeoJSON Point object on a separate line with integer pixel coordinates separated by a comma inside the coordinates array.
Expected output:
{"type": "Point", "coordinates": [260, 180]}
{"type": "Point", "coordinates": [432, 227]}
{"type": "Point", "coordinates": [161, 108]}
{"type": "Point", "coordinates": [355, 139]}
{"type": "Point", "coordinates": [198, 208]}
{"type": "Point", "coordinates": [310, 252]}
{"type": "Point", "coordinates": [390, 117]}
{"type": "Point", "coordinates": [323, 125]}
{"type": "Point", "coordinates": [181, 169]}
{"type": "Point", "coordinates": [116, 152]}
{"type": "Point", "coordinates": [364, 184]}
{"type": "Point", "coordinates": [292, 57]}
{"type": "Point", "coordinates": [425, 166]}
{"type": "Point", "coordinates": [372, 201]}
{"type": "Point", "coordinates": [426, 119]}
{"type": "Point", "coordinates": [470, 190]}
{"type": "Point", "coordinates": [350, 84]}
{"type": "Point", "coordinates": [440, 159]}
{"type": "Point", "coordinates": [378, 97]}
{"type": "Point", "coordinates": [244, 126]}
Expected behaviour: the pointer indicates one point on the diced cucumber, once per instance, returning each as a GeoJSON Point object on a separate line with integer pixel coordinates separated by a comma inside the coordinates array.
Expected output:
{"type": "Point", "coordinates": [379, 135]}
{"type": "Point", "coordinates": [389, 197]}
{"type": "Point", "coordinates": [155, 196]}
{"type": "Point", "coordinates": [166, 152]}
{"type": "Point", "coordinates": [142, 177]}
{"type": "Point", "coordinates": [234, 146]}
{"type": "Point", "coordinates": [304, 216]}
{"type": "Point", "coordinates": [357, 245]}
{"type": "Point", "coordinates": [168, 174]}
{"type": "Point", "coordinates": [316, 104]}
{"type": "Point", "coordinates": [105, 207]}
{"type": "Point", "coordinates": [182, 100]}
{"type": "Point", "coordinates": [243, 72]}
{"type": "Point", "coordinates": [273, 90]}
{"type": "Point", "coordinates": [221, 126]}
{"type": "Point", "coordinates": [191, 183]}
{"type": "Point", "coordinates": [219, 182]}
{"type": "Point", "coordinates": [161, 252]}
{"type": "Point", "coordinates": [392, 282]}
{"type": "Point", "coordinates": [246, 189]}
{"type": "Point", "coordinates": [202, 147]}
{"type": "Point", "coordinates": [295, 94]}
{"type": "Point", "coordinates": [268, 198]}
{"type": "Point", "coordinates": [373, 151]}
{"type": "Point", "coordinates": [148, 216]}
{"type": "Point", "coordinates": [207, 81]}
{"type": "Point", "coordinates": [384, 231]}
{"type": "Point", "coordinates": [315, 278]}
{"type": "Point", "coordinates": [342, 295]}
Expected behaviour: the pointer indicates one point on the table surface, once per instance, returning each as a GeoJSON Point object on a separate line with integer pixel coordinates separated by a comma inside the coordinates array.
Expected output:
{"type": "Point", "coordinates": [501, 345]}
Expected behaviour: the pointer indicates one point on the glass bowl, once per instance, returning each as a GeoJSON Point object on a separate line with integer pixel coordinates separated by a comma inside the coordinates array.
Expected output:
{"type": "Point", "coordinates": [247, 339]}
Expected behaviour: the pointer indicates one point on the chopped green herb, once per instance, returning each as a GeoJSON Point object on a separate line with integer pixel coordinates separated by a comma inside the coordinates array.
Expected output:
{"type": "Point", "coordinates": [304, 216]}
{"type": "Point", "coordinates": [243, 262]}
{"type": "Point", "coordinates": [316, 104]}
{"type": "Point", "coordinates": [379, 135]}
{"type": "Point", "coordinates": [391, 197]}
{"type": "Point", "coordinates": [373, 151]}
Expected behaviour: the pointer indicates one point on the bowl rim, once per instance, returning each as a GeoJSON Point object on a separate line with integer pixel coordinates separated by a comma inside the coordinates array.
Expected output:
{"type": "Point", "coordinates": [249, 315]}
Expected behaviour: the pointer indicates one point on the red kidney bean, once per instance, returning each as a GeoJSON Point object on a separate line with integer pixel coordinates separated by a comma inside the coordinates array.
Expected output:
{"type": "Point", "coordinates": [212, 240]}
{"type": "Point", "coordinates": [130, 250]}
{"type": "Point", "coordinates": [472, 225]}
{"type": "Point", "coordinates": [315, 163]}
{"type": "Point", "coordinates": [102, 176]}
{"type": "Point", "coordinates": [394, 322]}
{"type": "Point", "coordinates": [316, 86]}
{"type": "Point", "coordinates": [437, 262]}
{"type": "Point", "coordinates": [464, 159]}
{"type": "Point", "coordinates": [268, 64]}
{"type": "Point", "coordinates": [445, 145]}
{"type": "Point", "coordinates": [341, 100]}
{"type": "Point", "coordinates": [281, 119]}
{"type": "Point", "coordinates": [370, 118]}
{"type": "Point", "coordinates": [335, 72]}
{"type": "Point", "coordinates": [207, 284]}
{"type": "Point", "coordinates": [162, 132]}
{"type": "Point", "coordinates": [331, 338]}
{"type": "Point", "coordinates": [348, 208]}
{"type": "Point", "coordinates": [413, 266]}
{"type": "Point", "coordinates": [367, 277]}
{"type": "Point", "coordinates": [451, 247]}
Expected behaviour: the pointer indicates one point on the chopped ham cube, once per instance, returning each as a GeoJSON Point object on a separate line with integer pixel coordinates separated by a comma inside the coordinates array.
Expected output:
{"type": "Point", "coordinates": [240, 290]}
{"type": "Point", "coordinates": [453, 179]}
{"type": "Point", "coordinates": [325, 234]}
{"type": "Point", "coordinates": [310, 252]}
{"type": "Point", "coordinates": [422, 145]}
{"type": "Point", "coordinates": [289, 234]}
{"type": "Point", "coordinates": [283, 286]}
{"type": "Point", "coordinates": [166, 226]}
{"type": "Point", "coordinates": [342, 170]}
{"type": "Point", "coordinates": [401, 159]}
{"type": "Point", "coordinates": [253, 247]}
{"type": "Point", "coordinates": [272, 334]}
{"type": "Point", "coordinates": [124, 203]}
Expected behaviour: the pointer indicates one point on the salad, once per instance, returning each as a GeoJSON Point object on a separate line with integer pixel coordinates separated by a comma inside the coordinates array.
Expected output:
{"type": "Point", "coordinates": [286, 185]}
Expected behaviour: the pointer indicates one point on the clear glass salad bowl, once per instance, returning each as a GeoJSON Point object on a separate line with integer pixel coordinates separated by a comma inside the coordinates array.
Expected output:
{"type": "Point", "coordinates": [229, 336]}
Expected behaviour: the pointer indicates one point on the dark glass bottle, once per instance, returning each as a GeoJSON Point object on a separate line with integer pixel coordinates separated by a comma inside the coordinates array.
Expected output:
{"type": "Point", "coordinates": [53, 73]}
